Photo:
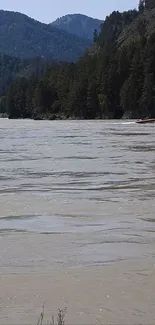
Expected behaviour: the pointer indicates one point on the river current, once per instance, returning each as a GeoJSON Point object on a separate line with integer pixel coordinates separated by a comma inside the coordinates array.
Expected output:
{"type": "Point", "coordinates": [75, 193]}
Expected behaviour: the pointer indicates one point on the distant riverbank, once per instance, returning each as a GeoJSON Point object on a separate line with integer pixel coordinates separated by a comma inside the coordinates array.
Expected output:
{"type": "Point", "coordinates": [52, 117]}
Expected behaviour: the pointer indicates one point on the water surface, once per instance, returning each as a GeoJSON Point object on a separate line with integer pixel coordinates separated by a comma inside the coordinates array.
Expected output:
{"type": "Point", "coordinates": [86, 188]}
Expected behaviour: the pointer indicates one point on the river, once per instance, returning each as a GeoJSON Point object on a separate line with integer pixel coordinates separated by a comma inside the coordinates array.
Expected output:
{"type": "Point", "coordinates": [75, 195]}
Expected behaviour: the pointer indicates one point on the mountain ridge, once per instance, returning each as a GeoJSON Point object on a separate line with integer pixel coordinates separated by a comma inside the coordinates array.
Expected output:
{"type": "Point", "coordinates": [24, 37]}
{"type": "Point", "coordinates": [115, 79]}
{"type": "Point", "coordinates": [78, 24]}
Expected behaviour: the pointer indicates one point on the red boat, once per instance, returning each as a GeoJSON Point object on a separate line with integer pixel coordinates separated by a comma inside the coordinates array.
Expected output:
{"type": "Point", "coordinates": [146, 120]}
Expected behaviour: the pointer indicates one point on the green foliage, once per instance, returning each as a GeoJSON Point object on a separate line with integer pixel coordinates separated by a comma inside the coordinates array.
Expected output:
{"type": "Point", "coordinates": [116, 76]}
{"type": "Point", "coordinates": [113, 26]}
{"type": "Point", "coordinates": [95, 36]}
{"type": "Point", "coordinates": [11, 68]}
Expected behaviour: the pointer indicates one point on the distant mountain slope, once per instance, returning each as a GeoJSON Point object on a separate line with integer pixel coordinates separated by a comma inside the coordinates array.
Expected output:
{"type": "Point", "coordinates": [115, 79]}
{"type": "Point", "coordinates": [23, 37]}
{"type": "Point", "coordinates": [80, 25]}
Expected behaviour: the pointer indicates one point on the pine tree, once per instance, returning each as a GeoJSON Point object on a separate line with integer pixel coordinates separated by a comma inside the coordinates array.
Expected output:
{"type": "Point", "coordinates": [12, 109]}
{"type": "Point", "coordinates": [92, 101]}
{"type": "Point", "coordinates": [95, 36]}
{"type": "Point", "coordinates": [38, 100]}
{"type": "Point", "coordinates": [141, 6]}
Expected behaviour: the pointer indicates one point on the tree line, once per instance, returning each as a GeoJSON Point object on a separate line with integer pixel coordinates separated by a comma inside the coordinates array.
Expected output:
{"type": "Point", "coordinates": [115, 77]}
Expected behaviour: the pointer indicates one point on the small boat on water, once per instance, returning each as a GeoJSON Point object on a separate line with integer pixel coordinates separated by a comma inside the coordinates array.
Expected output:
{"type": "Point", "coordinates": [146, 120]}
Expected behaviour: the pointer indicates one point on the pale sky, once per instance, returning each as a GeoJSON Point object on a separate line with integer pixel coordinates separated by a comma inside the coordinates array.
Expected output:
{"type": "Point", "coordinates": [48, 10]}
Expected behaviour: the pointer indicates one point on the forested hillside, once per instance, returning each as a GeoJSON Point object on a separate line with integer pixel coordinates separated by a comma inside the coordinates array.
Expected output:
{"type": "Point", "coordinates": [13, 68]}
{"type": "Point", "coordinates": [115, 78]}
{"type": "Point", "coordinates": [23, 37]}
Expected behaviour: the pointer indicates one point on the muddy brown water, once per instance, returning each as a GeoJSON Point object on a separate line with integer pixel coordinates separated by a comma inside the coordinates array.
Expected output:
{"type": "Point", "coordinates": [76, 196]}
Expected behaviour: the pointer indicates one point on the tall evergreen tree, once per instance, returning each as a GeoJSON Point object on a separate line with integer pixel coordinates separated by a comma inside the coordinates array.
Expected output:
{"type": "Point", "coordinates": [92, 101]}
{"type": "Point", "coordinates": [141, 6]}
{"type": "Point", "coordinates": [114, 76]}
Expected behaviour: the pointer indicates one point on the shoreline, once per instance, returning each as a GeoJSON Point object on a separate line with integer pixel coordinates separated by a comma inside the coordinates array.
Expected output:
{"type": "Point", "coordinates": [68, 119]}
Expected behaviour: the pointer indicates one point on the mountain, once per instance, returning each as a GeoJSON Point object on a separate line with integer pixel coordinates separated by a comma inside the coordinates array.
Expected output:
{"type": "Point", "coordinates": [114, 79]}
{"type": "Point", "coordinates": [23, 37]}
{"type": "Point", "coordinates": [77, 24]}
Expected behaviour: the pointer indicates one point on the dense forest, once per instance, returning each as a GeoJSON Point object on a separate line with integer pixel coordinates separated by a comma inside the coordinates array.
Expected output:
{"type": "Point", "coordinates": [12, 69]}
{"type": "Point", "coordinates": [114, 79]}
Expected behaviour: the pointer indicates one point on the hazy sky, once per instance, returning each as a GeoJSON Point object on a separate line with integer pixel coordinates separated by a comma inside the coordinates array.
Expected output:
{"type": "Point", "coordinates": [49, 10]}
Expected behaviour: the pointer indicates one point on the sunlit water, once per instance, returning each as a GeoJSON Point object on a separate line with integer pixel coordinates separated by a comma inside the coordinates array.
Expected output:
{"type": "Point", "coordinates": [76, 193]}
